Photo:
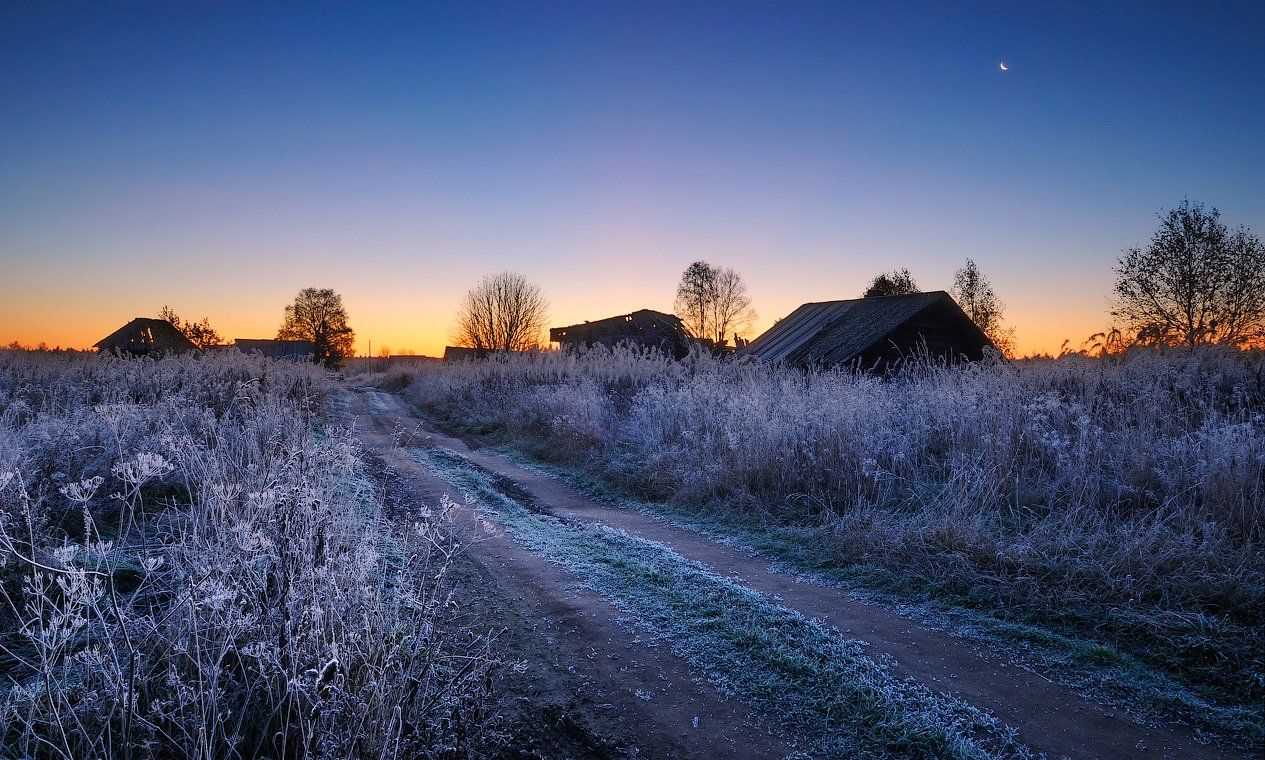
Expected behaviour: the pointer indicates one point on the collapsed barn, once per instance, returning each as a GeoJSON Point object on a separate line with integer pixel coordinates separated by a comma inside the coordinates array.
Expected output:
{"type": "Point", "coordinates": [875, 333]}
{"type": "Point", "coordinates": [645, 328]}
{"type": "Point", "coordinates": [146, 337]}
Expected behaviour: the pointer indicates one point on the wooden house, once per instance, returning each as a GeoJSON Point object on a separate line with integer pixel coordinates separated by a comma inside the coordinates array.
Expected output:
{"type": "Point", "coordinates": [872, 333]}
{"type": "Point", "coordinates": [292, 350]}
{"type": "Point", "coordinates": [645, 328]}
{"type": "Point", "coordinates": [146, 337]}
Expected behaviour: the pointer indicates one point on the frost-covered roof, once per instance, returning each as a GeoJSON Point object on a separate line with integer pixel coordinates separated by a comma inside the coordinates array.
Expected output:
{"type": "Point", "coordinates": [146, 336]}
{"type": "Point", "coordinates": [837, 332]}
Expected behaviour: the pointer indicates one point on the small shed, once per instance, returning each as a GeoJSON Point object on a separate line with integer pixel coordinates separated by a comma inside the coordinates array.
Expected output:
{"type": "Point", "coordinates": [413, 359]}
{"type": "Point", "coordinates": [292, 350]}
{"type": "Point", "coordinates": [872, 333]}
{"type": "Point", "coordinates": [463, 354]}
{"type": "Point", "coordinates": [146, 337]}
{"type": "Point", "coordinates": [646, 328]}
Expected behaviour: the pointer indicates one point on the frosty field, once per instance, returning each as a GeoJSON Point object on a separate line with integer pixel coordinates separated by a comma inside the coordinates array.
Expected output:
{"type": "Point", "coordinates": [1109, 510]}
{"type": "Point", "coordinates": [617, 555]}
{"type": "Point", "coordinates": [194, 563]}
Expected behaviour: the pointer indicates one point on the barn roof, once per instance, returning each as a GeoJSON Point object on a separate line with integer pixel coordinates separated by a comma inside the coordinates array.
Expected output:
{"type": "Point", "coordinates": [146, 336]}
{"type": "Point", "coordinates": [275, 349]}
{"type": "Point", "coordinates": [640, 321]}
{"type": "Point", "coordinates": [837, 332]}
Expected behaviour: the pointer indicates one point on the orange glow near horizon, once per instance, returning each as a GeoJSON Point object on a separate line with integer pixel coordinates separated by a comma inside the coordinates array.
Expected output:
{"type": "Point", "coordinates": [218, 162]}
{"type": "Point", "coordinates": [390, 316]}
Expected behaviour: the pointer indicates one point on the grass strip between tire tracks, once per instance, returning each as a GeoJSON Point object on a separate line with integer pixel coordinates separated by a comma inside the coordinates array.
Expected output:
{"type": "Point", "coordinates": [816, 684]}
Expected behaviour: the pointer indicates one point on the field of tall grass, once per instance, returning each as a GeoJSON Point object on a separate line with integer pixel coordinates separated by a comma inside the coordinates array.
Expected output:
{"type": "Point", "coordinates": [1117, 500]}
{"type": "Point", "coordinates": [194, 563]}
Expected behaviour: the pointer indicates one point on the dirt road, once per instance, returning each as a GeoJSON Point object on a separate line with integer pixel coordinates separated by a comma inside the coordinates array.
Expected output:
{"type": "Point", "coordinates": [582, 628]}
{"type": "Point", "coordinates": [609, 693]}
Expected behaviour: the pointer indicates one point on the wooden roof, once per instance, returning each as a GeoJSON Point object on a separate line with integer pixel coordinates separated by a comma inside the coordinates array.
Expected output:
{"type": "Point", "coordinates": [146, 336]}
{"type": "Point", "coordinates": [643, 325]}
{"type": "Point", "coordinates": [880, 329]}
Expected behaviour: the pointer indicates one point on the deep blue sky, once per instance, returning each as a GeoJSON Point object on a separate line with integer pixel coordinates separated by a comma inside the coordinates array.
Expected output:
{"type": "Point", "coordinates": [218, 158]}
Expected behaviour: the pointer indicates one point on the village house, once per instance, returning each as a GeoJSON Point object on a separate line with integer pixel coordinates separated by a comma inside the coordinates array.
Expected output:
{"type": "Point", "coordinates": [872, 333]}
{"type": "Point", "coordinates": [146, 337]}
{"type": "Point", "coordinates": [645, 328]}
{"type": "Point", "coordinates": [294, 350]}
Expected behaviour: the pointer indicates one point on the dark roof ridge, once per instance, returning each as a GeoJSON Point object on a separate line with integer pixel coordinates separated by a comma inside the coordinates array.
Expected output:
{"type": "Point", "coordinates": [666, 314]}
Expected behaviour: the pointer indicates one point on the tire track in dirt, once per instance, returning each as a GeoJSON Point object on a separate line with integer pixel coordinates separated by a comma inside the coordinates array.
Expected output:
{"type": "Point", "coordinates": [598, 678]}
{"type": "Point", "coordinates": [1050, 718]}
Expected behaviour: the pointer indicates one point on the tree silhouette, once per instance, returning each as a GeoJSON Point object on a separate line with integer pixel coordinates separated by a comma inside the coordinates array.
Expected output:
{"type": "Point", "coordinates": [504, 312]}
{"type": "Point", "coordinates": [898, 282]}
{"type": "Point", "coordinates": [1195, 282]}
{"type": "Point", "coordinates": [974, 293]}
{"type": "Point", "coordinates": [317, 315]}
{"type": "Point", "coordinates": [200, 333]}
{"type": "Point", "coordinates": [712, 302]}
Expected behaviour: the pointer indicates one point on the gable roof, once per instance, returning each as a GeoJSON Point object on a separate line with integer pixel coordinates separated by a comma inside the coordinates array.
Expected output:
{"type": "Point", "coordinates": [275, 349]}
{"type": "Point", "coordinates": [646, 322]}
{"type": "Point", "coordinates": [146, 336]}
{"type": "Point", "coordinates": [875, 328]}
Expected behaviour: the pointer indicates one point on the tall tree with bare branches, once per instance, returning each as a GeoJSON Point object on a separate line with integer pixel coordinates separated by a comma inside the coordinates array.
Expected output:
{"type": "Point", "coordinates": [713, 302]}
{"type": "Point", "coordinates": [1195, 282]}
{"type": "Point", "coordinates": [317, 315]}
{"type": "Point", "coordinates": [504, 312]}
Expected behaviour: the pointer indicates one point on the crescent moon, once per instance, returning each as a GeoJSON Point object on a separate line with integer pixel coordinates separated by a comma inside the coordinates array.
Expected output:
{"type": "Point", "coordinates": [1004, 67]}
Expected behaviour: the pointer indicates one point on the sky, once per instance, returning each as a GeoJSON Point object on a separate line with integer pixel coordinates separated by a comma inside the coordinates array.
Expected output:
{"type": "Point", "coordinates": [219, 157]}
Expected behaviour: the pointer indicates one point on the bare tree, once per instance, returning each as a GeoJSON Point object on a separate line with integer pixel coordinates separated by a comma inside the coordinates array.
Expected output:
{"type": "Point", "coordinates": [974, 293]}
{"type": "Point", "coordinates": [504, 312]}
{"type": "Point", "coordinates": [1196, 282]}
{"type": "Point", "coordinates": [732, 312]}
{"type": "Point", "coordinates": [317, 315]}
{"type": "Point", "coordinates": [713, 302]}
{"type": "Point", "coordinates": [898, 282]}
{"type": "Point", "coordinates": [200, 333]}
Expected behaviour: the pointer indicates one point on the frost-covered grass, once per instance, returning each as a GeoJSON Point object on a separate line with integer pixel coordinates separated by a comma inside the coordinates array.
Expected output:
{"type": "Point", "coordinates": [1092, 667]}
{"type": "Point", "coordinates": [193, 563]}
{"type": "Point", "coordinates": [806, 679]}
{"type": "Point", "coordinates": [1118, 501]}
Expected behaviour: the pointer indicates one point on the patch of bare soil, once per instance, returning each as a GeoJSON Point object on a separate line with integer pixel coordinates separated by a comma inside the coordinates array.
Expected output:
{"type": "Point", "coordinates": [1050, 718]}
{"type": "Point", "coordinates": [582, 685]}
